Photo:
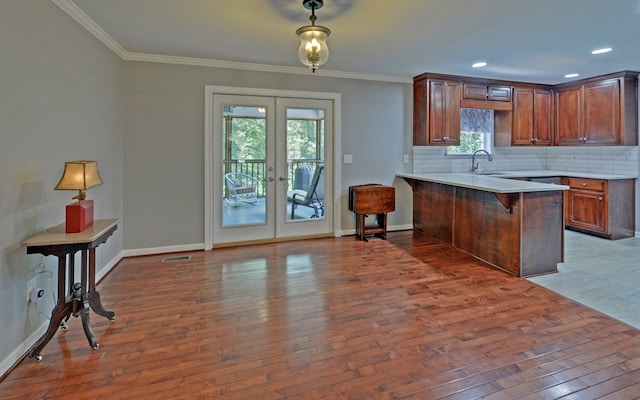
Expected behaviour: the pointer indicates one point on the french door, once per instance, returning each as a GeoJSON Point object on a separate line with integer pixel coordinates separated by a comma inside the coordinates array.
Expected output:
{"type": "Point", "coordinates": [271, 167]}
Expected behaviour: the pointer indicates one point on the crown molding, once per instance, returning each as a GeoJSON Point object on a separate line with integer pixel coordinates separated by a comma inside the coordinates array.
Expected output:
{"type": "Point", "coordinates": [203, 62]}
{"type": "Point", "coordinates": [69, 7]}
{"type": "Point", "coordinates": [87, 23]}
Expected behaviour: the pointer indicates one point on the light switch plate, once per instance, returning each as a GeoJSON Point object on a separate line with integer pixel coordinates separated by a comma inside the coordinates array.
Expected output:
{"type": "Point", "coordinates": [406, 159]}
{"type": "Point", "coordinates": [348, 158]}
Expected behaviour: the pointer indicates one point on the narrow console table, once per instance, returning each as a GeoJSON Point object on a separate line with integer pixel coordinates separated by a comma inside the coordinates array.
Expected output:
{"type": "Point", "coordinates": [74, 298]}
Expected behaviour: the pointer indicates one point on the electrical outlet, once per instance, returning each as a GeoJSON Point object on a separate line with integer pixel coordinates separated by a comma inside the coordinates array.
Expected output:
{"type": "Point", "coordinates": [406, 159]}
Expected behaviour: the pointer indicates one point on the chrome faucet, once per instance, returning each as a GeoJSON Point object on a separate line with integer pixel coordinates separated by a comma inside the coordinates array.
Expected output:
{"type": "Point", "coordinates": [474, 165]}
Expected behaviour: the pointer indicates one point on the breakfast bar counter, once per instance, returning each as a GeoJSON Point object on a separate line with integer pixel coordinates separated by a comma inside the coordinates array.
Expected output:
{"type": "Point", "coordinates": [514, 225]}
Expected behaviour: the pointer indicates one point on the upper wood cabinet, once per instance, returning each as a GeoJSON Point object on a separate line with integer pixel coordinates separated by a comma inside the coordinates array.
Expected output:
{"type": "Point", "coordinates": [436, 111]}
{"type": "Point", "coordinates": [569, 116]}
{"type": "Point", "coordinates": [600, 111]}
{"type": "Point", "coordinates": [532, 117]}
{"type": "Point", "coordinates": [595, 111]}
{"type": "Point", "coordinates": [486, 92]}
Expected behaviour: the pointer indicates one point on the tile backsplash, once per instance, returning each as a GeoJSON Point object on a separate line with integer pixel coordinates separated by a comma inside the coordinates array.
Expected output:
{"type": "Point", "coordinates": [597, 159]}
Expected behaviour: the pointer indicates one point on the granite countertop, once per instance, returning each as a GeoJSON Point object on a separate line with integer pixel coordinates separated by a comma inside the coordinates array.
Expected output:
{"type": "Point", "coordinates": [498, 184]}
{"type": "Point", "coordinates": [487, 183]}
{"type": "Point", "coordinates": [541, 173]}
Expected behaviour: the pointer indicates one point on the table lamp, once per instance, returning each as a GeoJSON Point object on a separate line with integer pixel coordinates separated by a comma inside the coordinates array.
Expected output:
{"type": "Point", "coordinates": [79, 175]}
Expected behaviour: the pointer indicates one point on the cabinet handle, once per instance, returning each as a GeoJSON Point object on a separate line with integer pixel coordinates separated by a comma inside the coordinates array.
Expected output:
{"type": "Point", "coordinates": [600, 198]}
{"type": "Point", "coordinates": [584, 184]}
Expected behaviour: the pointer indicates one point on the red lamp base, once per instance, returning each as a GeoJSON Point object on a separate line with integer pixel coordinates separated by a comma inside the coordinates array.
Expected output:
{"type": "Point", "coordinates": [79, 216]}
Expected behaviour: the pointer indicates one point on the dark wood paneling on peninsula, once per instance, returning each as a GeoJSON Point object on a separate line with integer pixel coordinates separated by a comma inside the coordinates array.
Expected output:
{"type": "Point", "coordinates": [521, 233]}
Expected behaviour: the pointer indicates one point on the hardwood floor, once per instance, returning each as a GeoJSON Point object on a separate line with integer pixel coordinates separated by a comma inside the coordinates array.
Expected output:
{"type": "Point", "coordinates": [407, 318]}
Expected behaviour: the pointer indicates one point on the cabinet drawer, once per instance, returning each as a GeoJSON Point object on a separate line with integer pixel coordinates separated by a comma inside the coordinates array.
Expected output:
{"type": "Point", "coordinates": [586, 184]}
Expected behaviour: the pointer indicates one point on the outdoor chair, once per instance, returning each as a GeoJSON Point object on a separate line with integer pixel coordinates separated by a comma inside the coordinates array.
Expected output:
{"type": "Point", "coordinates": [242, 188]}
{"type": "Point", "coordinates": [312, 197]}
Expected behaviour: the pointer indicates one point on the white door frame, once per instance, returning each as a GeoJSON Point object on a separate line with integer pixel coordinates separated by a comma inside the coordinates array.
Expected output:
{"type": "Point", "coordinates": [210, 90]}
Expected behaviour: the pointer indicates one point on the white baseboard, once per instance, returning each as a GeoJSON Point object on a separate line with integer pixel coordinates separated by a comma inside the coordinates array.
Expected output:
{"type": "Point", "coordinates": [20, 351]}
{"type": "Point", "coordinates": [102, 272]}
{"type": "Point", "coordinates": [390, 228]}
{"type": "Point", "coordinates": [161, 250]}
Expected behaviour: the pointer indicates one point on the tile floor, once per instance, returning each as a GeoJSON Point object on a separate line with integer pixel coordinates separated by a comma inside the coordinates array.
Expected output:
{"type": "Point", "coordinates": [600, 274]}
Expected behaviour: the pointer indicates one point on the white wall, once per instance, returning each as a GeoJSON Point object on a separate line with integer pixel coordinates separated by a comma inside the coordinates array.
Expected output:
{"type": "Point", "coordinates": [61, 99]}
{"type": "Point", "coordinates": [65, 96]}
{"type": "Point", "coordinates": [164, 133]}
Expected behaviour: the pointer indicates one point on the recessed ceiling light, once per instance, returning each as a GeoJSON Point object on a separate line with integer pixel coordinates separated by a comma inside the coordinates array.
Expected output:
{"type": "Point", "coordinates": [602, 51]}
{"type": "Point", "coordinates": [479, 64]}
{"type": "Point", "coordinates": [571, 75]}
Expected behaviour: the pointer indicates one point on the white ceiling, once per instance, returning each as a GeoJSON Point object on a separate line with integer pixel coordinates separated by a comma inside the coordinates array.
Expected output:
{"type": "Point", "coordinates": [522, 40]}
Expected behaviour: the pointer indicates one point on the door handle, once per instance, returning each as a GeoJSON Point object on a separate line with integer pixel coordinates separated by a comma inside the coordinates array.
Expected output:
{"type": "Point", "coordinates": [270, 179]}
{"type": "Point", "coordinates": [282, 178]}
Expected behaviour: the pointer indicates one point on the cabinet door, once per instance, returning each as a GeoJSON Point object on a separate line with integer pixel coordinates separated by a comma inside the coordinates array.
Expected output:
{"type": "Point", "coordinates": [499, 93]}
{"type": "Point", "coordinates": [444, 112]}
{"type": "Point", "coordinates": [602, 112]}
{"type": "Point", "coordinates": [473, 91]}
{"type": "Point", "coordinates": [586, 209]}
{"type": "Point", "coordinates": [542, 117]}
{"type": "Point", "coordinates": [532, 111]}
{"type": "Point", "coordinates": [486, 92]}
{"type": "Point", "coordinates": [522, 130]}
{"type": "Point", "coordinates": [569, 129]}
{"type": "Point", "coordinates": [420, 126]}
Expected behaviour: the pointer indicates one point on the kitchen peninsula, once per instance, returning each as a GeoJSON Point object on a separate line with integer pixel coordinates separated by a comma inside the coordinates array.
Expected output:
{"type": "Point", "coordinates": [514, 225]}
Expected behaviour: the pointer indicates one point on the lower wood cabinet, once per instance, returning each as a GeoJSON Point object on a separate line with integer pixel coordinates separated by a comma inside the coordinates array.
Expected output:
{"type": "Point", "coordinates": [604, 208]}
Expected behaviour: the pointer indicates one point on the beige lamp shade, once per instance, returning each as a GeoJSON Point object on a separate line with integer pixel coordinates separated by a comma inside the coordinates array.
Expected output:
{"type": "Point", "coordinates": [79, 175]}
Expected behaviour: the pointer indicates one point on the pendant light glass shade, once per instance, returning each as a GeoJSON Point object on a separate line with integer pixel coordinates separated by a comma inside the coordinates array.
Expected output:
{"type": "Point", "coordinates": [313, 51]}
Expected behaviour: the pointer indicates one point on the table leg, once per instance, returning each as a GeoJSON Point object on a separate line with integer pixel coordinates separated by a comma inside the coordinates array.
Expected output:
{"type": "Point", "coordinates": [382, 223]}
{"type": "Point", "coordinates": [93, 296]}
{"type": "Point", "coordinates": [81, 308]}
{"type": "Point", "coordinates": [57, 316]}
{"type": "Point", "coordinates": [360, 227]}
{"type": "Point", "coordinates": [60, 313]}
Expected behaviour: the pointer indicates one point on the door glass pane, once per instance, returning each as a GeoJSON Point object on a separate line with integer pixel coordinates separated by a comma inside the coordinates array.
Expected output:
{"type": "Point", "coordinates": [305, 164]}
{"type": "Point", "coordinates": [244, 159]}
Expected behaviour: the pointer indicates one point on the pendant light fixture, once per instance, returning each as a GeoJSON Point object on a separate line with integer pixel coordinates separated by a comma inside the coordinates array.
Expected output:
{"type": "Point", "coordinates": [313, 51]}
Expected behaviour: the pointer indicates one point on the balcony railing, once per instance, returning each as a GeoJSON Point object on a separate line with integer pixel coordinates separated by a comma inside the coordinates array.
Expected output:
{"type": "Point", "coordinates": [257, 169]}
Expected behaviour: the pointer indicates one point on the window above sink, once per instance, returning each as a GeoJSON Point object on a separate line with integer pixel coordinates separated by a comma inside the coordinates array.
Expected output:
{"type": "Point", "coordinates": [476, 132]}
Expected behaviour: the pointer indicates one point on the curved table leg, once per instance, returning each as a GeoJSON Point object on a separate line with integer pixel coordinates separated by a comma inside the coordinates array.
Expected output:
{"type": "Point", "coordinates": [86, 325]}
{"type": "Point", "coordinates": [59, 314]}
{"type": "Point", "coordinates": [96, 305]}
